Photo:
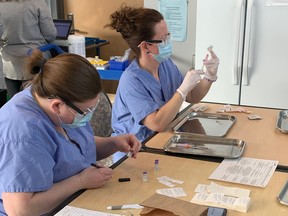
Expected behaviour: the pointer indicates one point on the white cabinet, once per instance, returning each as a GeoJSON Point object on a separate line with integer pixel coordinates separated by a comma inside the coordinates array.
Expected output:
{"type": "Point", "coordinates": [251, 40]}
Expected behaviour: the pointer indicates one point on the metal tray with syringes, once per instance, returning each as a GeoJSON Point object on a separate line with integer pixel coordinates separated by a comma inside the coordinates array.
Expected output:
{"type": "Point", "coordinates": [205, 145]}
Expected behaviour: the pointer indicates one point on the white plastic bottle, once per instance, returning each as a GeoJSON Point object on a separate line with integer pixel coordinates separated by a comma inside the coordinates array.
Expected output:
{"type": "Point", "coordinates": [77, 45]}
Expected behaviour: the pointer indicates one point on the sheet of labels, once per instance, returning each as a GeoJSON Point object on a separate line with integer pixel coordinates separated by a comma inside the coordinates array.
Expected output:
{"type": "Point", "coordinates": [225, 197]}
{"type": "Point", "coordinates": [73, 211]}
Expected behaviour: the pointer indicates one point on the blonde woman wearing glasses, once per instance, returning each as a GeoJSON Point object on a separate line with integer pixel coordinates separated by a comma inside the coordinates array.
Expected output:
{"type": "Point", "coordinates": [46, 143]}
{"type": "Point", "coordinates": [152, 89]}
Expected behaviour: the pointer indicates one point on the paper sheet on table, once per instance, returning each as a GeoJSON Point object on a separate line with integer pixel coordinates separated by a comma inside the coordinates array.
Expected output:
{"type": "Point", "coordinates": [248, 171]}
{"type": "Point", "coordinates": [216, 195]}
{"type": "Point", "coordinates": [227, 191]}
{"type": "Point", "coordinates": [240, 204]}
{"type": "Point", "coordinates": [172, 192]}
{"type": "Point", "coordinates": [73, 211]}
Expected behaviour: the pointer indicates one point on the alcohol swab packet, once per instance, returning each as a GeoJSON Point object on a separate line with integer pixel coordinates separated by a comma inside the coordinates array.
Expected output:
{"type": "Point", "coordinates": [254, 117]}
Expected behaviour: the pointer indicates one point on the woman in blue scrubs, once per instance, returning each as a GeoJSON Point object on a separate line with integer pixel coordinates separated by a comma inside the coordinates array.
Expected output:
{"type": "Point", "coordinates": [152, 89]}
{"type": "Point", "coordinates": [46, 143]}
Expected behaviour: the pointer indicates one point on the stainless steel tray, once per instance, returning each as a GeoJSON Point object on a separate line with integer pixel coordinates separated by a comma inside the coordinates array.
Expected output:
{"type": "Point", "coordinates": [282, 121]}
{"type": "Point", "coordinates": [209, 124]}
{"type": "Point", "coordinates": [283, 195]}
{"type": "Point", "coordinates": [205, 145]}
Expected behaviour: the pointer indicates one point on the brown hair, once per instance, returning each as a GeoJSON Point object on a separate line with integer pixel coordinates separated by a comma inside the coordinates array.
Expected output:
{"type": "Point", "coordinates": [135, 24]}
{"type": "Point", "coordinates": [67, 76]}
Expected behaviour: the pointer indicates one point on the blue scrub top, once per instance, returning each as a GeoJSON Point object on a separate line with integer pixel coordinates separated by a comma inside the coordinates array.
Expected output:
{"type": "Point", "coordinates": [140, 94]}
{"type": "Point", "coordinates": [33, 154]}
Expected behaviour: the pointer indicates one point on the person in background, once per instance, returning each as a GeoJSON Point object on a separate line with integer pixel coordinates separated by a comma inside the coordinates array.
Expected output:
{"type": "Point", "coordinates": [46, 142]}
{"type": "Point", "coordinates": [27, 24]}
{"type": "Point", "coordinates": [1, 32]}
{"type": "Point", "coordinates": [152, 89]}
{"type": "Point", "coordinates": [2, 44]}
{"type": "Point", "coordinates": [1, 26]}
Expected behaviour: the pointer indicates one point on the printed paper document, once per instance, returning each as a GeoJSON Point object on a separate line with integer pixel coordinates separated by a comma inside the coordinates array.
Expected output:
{"type": "Point", "coordinates": [247, 171]}
{"type": "Point", "coordinates": [73, 211]}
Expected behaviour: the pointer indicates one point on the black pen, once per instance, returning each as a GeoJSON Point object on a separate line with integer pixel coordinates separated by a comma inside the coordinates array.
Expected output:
{"type": "Point", "coordinates": [95, 165]}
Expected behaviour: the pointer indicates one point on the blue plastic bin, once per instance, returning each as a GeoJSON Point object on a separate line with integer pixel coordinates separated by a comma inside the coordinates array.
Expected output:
{"type": "Point", "coordinates": [95, 43]}
{"type": "Point", "coordinates": [91, 41]}
{"type": "Point", "coordinates": [117, 65]}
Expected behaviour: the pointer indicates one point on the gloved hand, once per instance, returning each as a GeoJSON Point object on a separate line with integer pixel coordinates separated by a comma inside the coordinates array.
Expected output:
{"type": "Point", "coordinates": [191, 79]}
{"type": "Point", "coordinates": [211, 66]}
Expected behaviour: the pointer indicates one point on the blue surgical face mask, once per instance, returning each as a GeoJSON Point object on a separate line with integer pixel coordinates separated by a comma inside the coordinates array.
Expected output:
{"type": "Point", "coordinates": [165, 51]}
{"type": "Point", "coordinates": [79, 120]}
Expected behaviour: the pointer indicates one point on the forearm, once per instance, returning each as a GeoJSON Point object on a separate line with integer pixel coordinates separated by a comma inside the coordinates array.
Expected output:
{"type": "Point", "coordinates": [199, 91]}
{"type": "Point", "coordinates": [40, 202]}
{"type": "Point", "coordinates": [159, 121]}
{"type": "Point", "coordinates": [105, 146]}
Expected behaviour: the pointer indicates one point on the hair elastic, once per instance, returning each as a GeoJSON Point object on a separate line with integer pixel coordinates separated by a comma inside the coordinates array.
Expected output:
{"type": "Point", "coordinates": [44, 60]}
{"type": "Point", "coordinates": [39, 68]}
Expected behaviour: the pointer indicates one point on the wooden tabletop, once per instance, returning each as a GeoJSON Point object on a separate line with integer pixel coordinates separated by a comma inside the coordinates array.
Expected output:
{"type": "Point", "coordinates": [192, 172]}
{"type": "Point", "coordinates": [263, 140]}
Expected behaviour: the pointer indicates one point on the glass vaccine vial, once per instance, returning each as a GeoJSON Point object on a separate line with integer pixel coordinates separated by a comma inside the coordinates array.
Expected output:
{"type": "Point", "coordinates": [145, 176]}
{"type": "Point", "coordinates": [156, 165]}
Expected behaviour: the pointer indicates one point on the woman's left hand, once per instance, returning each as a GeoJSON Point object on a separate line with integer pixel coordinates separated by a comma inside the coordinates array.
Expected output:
{"type": "Point", "coordinates": [211, 65]}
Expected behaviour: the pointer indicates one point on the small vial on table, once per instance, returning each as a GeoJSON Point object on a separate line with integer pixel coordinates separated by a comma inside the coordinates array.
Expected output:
{"type": "Point", "coordinates": [145, 176]}
{"type": "Point", "coordinates": [156, 164]}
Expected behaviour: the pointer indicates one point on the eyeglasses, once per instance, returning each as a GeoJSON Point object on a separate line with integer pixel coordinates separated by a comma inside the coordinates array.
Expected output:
{"type": "Point", "coordinates": [78, 110]}
{"type": "Point", "coordinates": [165, 41]}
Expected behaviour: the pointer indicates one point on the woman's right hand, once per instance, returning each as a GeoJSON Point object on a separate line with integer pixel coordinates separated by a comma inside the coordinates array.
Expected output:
{"type": "Point", "coordinates": [93, 177]}
{"type": "Point", "coordinates": [191, 79]}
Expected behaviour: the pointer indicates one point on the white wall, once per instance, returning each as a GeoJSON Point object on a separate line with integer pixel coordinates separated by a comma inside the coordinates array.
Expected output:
{"type": "Point", "coordinates": [183, 52]}
{"type": "Point", "coordinates": [53, 7]}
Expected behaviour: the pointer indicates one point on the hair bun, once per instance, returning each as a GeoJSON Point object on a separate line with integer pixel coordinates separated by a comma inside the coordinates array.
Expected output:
{"type": "Point", "coordinates": [36, 70]}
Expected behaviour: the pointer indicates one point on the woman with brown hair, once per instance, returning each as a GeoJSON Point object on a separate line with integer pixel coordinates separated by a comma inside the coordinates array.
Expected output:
{"type": "Point", "coordinates": [46, 142]}
{"type": "Point", "coordinates": [151, 90]}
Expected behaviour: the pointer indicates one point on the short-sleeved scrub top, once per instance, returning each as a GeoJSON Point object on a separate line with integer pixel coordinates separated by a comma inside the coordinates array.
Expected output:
{"type": "Point", "coordinates": [140, 94]}
{"type": "Point", "coordinates": [34, 155]}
